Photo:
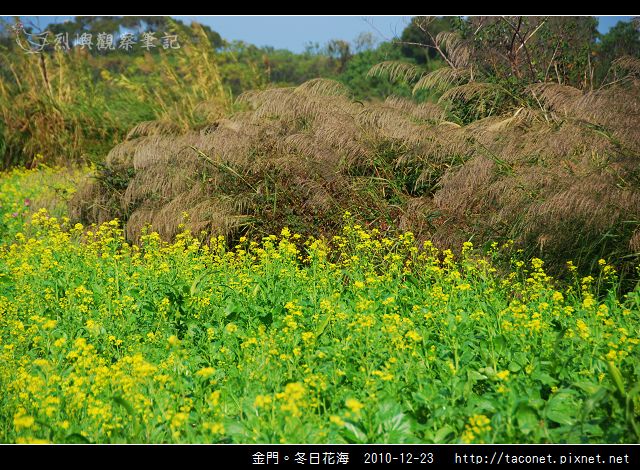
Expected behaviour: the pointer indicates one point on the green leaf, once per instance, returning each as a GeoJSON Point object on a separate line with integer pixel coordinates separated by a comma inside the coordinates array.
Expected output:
{"type": "Point", "coordinates": [124, 403]}
{"type": "Point", "coordinates": [482, 405]}
{"type": "Point", "coordinates": [526, 418]}
{"type": "Point", "coordinates": [616, 376]}
{"type": "Point", "coordinates": [76, 438]}
{"type": "Point", "coordinates": [421, 398]}
{"type": "Point", "coordinates": [323, 325]}
{"type": "Point", "coordinates": [514, 366]}
{"type": "Point", "coordinates": [442, 434]}
{"type": "Point", "coordinates": [589, 387]}
{"type": "Point", "coordinates": [394, 425]}
{"type": "Point", "coordinates": [561, 409]}
{"type": "Point", "coordinates": [235, 430]}
{"type": "Point", "coordinates": [489, 371]}
{"type": "Point", "coordinates": [473, 375]}
{"type": "Point", "coordinates": [592, 430]}
{"type": "Point", "coordinates": [194, 286]}
{"type": "Point", "coordinates": [544, 378]}
{"type": "Point", "coordinates": [499, 343]}
{"type": "Point", "coordinates": [353, 434]}
{"type": "Point", "coordinates": [560, 417]}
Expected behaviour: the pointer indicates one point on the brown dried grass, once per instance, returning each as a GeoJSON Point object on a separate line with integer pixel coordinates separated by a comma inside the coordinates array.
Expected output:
{"type": "Point", "coordinates": [561, 179]}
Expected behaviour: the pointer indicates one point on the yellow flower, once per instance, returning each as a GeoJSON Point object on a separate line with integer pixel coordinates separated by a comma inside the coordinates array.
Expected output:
{"type": "Point", "coordinates": [262, 401]}
{"type": "Point", "coordinates": [537, 263]}
{"type": "Point", "coordinates": [414, 335]}
{"type": "Point", "coordinates": [179, 420]}
{"type": "Point", "coordinates": [206, 372]}
{"type": "Point", "coordinates": [503, 375]}
{"type": "Point", "coordinates": [231, 328]}
{"type": "Point", "coordinates": [173, 340]}
{"type": "Point", "coordinates": [384, 375]}
{"type": "Point", "coordinates": [292, 398]}
{"type": "Point", "coordinates": [477, 425]}
{"type": "Point", "coordinates": [336, 420]}
{"type": "Point", "coordinates": [358, 284]}
{"type": "Point", "coordinates": [93, 326]}
{"type": "Point", "coordinates": [294, 390]}
{"type": "Point", "coordinates": [354, 405]}
{"type": "Point", "coordinates": [214, 428]}
{"type": "Point", "coordinates": [40, 362]}
{"type": "Point", "coordinates": [388, 301]}
{"type": "Point", "coordinates": [21, 421]}
{"type": "Point", "coordinates": [583, 329]}
{"type": "Point", "coordinates": [587, 280]}
{"type": "Point", "coordinates": [214, 398]}
{"type": "Point", "coordinates": [611, 355]}
{"type": "Point", "coordinates": [31, 440]}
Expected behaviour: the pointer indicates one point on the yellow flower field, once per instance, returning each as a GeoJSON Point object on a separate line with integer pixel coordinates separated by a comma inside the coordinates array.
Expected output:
{"type": "Point", "coordinates": [360, 338]}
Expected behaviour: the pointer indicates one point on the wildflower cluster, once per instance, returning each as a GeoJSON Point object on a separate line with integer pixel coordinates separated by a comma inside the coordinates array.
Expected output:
{"type": "Point", "coordinates": [282, 341]}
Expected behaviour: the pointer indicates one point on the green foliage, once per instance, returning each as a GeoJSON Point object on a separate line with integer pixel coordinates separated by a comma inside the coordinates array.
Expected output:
{"type": "Point", "coordinates": [90, 100]}
{"type": "Point", "coordinates": [621, 40]}
{"type": "Point", "coordinates": [363, 338]}
{"type": "Point", "coordinates": [504, 78]}
{"type": "Point", "coordinates": [417, 39]}
{"type": "Point", "coordinates": [492, 62]}
{"type": "Point", "coordinates": [342, 61]}
{"type": "Point", "coordinates": [24, 191]}
{"type": "Point", "coordinates": [514, 52]}
{"type": "Point", "coordinates": [532, 49]}
{"type": "Point", "coordinates": [365, 87]}
{"type": "Point", "coordinates": [132, 24]}
{"type": "Point", "coordinates": [283, 67]}
{"type": "Point", "coordinates": [74, 106]}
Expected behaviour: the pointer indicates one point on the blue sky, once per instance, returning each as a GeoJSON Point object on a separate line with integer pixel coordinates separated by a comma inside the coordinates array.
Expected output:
{"type": "Point", "coordinates": [294, 32]}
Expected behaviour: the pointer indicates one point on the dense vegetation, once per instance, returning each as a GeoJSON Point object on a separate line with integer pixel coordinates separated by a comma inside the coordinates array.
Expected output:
{"type": "Point", "coordinates": [360, 338]}
{"type": "Point", "coordinates": [527, 171]}
{"type": "Point", "coordinates": [73, 106]}
{"type": "Point", "coordinates": [430, 240]}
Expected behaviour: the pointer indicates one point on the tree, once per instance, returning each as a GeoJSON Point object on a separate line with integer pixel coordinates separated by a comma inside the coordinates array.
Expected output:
{"type": "Point", "coordinates": [622, 39]}
{"type": "Point", "coordinates": [135, 24]}
{"type": "Point", "coordinates": [530, 48]}
{"type": "Point", "coordinates": [363, 87]}
{"type": "Point", "coordinates": [365, 41]}
{"type": "Point", "coordinates": [491, 62]}
{"type": "Point", "coordinates": [417, 39]}
{"type": "Point", "coordinates": [339, 51]}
